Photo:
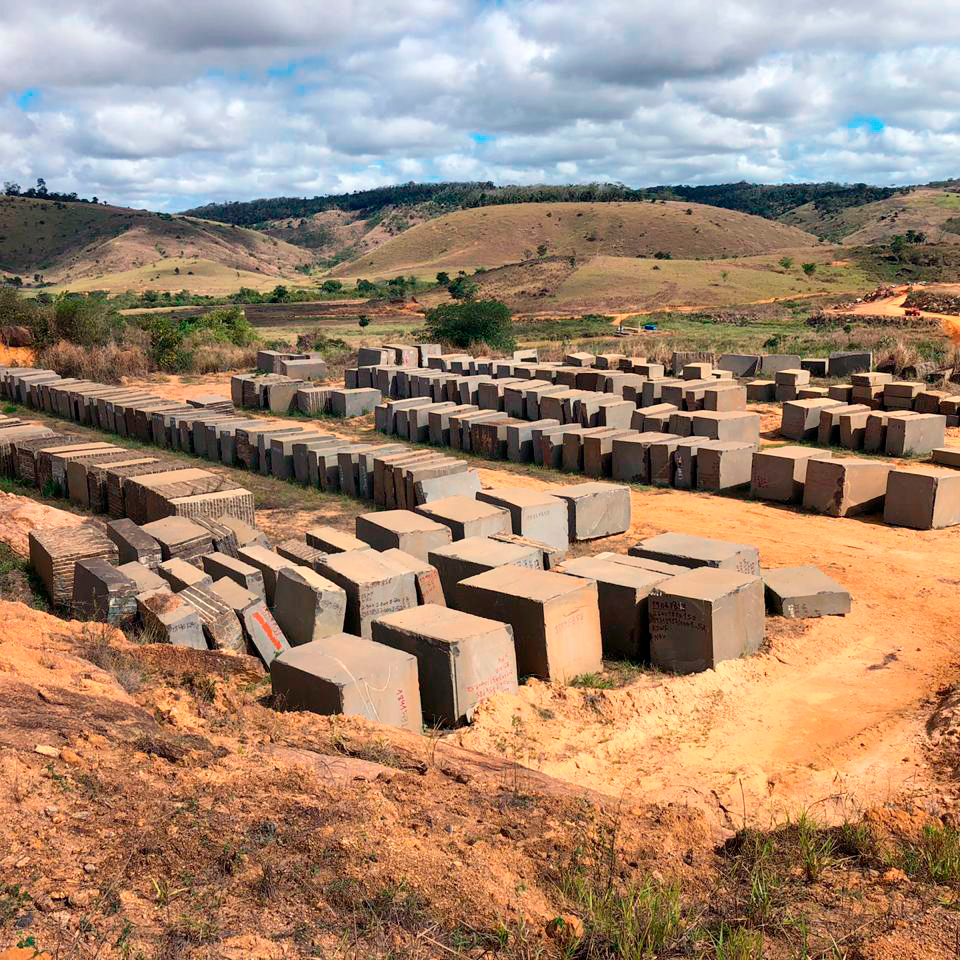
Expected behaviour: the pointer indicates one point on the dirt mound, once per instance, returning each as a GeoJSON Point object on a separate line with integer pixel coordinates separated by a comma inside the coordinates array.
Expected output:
{"type": "Point", "coordinates": [20, 515]}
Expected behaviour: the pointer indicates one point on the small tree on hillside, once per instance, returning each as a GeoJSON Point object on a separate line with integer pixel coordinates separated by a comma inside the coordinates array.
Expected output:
{"type": "Point", "coordinates": [463, 288]}
{"type": "Point", "coordinates": [809, 268]}
{"type": "Point", "coordinates": [443, 278]}
{"type": "Point", "coordinates": [475, 321]}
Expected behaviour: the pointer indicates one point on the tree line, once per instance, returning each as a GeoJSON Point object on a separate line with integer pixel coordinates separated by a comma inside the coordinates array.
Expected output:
{"type": "Point", "coordinates": [41, 192]}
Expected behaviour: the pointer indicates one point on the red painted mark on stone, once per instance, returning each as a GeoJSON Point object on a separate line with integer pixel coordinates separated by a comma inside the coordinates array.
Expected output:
{"type": "Point", "coordinates": [268, 630]}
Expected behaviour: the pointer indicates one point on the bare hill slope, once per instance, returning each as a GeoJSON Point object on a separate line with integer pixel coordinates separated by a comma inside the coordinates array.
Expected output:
{"type": "Point", "coordinates": [69, 241]}
{"type": "Point", "coordinates": [934, 211]}
{"type": "Point", "coordinates": [491, 236]}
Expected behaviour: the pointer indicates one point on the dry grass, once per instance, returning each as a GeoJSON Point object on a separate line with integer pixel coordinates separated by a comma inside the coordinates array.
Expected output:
{"type": "Point", "coordinates": [106, 364]}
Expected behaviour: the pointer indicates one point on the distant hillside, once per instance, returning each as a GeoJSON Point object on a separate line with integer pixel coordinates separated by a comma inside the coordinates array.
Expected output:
{"type": "Point", "coordinates": [70, 241]}
{"type": "Point", "coordinates": [933, 211]}
{"type": "Point", "coordinates": [492, 236]}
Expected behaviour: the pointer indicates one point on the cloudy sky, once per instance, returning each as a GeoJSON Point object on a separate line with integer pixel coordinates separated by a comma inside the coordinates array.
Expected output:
{"type": "Point", "coordinates": [166, 105]}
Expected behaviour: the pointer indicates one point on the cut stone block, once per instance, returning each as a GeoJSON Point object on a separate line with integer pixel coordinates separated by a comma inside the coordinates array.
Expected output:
{"type": "Point", "coordinates": [307, 605]}
{"type": "Point", "coordinates": [133, 544]}
{"type": "Point", "coordinates": [461, 658]}
{"type": "Point", "coordinates": [770, 363]}
{"type": "Point", "coordinates": [374, 587]}
{"type": "Point", "coordinates": [843, 364]}
{"type": "Point", "coordinates": [915, 436]}
{"type": "Point", "coordinates": [102, 592]}
{"type": "Point", "coordinates": [724, 465]}
{"type": "Point", "coordinates": [828, 433]}
{"type": "Point", "coordinates": [243, 532]}
{"type": "Point", "coordinates": [145, 579]}
{"type": "Point", "coordinates": [595, 509]}
{"type": "Point", "coordinates": [703, 617]}
{"type": "Point", "coordinates": [727, 425]}
{"type": "Point", "coordinates": [761, 391]}
{"type": "Point", "coordinates": [946, 456]}
{"type": "Point", "coordinates": [686, 550]}
{"type": "Point", "coordinates": [622, 592]}
{"type": "Point", "coordinates": [799, 593]}
{"type": "Point", "coordinates": [466, 558]}
{"type": "Point", "coordinates": [538, 516]}
{"type": "Point", "coordinates": [269, 563]}
{"type": "Point", "coordinates": [555, 618]}
{"type": "Point", "coordinates": [598, 452]}
{"type": "Point", "coordinates": [221, 626]}
{"type": "Point", "coordinates": [180, 538]}
{"type": "Point", "coordinates": [846, 487]}
{"type": "Point", "coordinates": [725, 397]}
{"type": "Point", "coordinates": [404, 530]}
{"type": "Point", "coordinates": [467, 516]}
{"type": "Point", "coordinates": [179, 574]}
{"type": "Point", "coordinates": [815, 366]}
{"type": "Point", "coordinates": [429, 586]}
{"type": "Point", "coordinates": [262, 633]}
{"type": "Point", "coordinates": [301, 553]}
{"type": "Point", "coordinates": [840, 391]}
{"type": "Point", "coordinates": [631, 455]}
{"type": "Point", "coordinates": [923, 498]}
{"type": "Point", "coordinates": [54, 554]}
{"type": "Point", "coordinates": [801, 418]}
{"type": "Point", "coordinates": [875, 432]}
{"type": "Point", "coordinates": [740, 364]}
{"type": "Point", "coordinates": [168, 618]}
{"type": "Point", "coordinates": [520, 439]}
{"type": "Point", "coordinates": [550, 554]}
{"type": "Point", "coordinates": [219, 565]}
{"type": "Point", "coordinates": [778, 474]}
{"type": "Point", "coordinates": [349, 675]}
{"type": "Point", "coordinates": [332, 540]}
{"type": "Point", "coordinates": [685, 461]}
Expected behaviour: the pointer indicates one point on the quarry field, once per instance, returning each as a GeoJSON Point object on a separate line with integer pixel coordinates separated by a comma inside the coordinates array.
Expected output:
{"type": "Point", "coordinates": [801, 802]}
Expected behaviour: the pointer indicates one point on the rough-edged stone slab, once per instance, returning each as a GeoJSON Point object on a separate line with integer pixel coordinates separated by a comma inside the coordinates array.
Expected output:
{"type": "Point", "coordinates": [429, 586]}
{"type": "Point", "coordinates": [262, 633]}
{"type": "Point", "coordinates": [349, 675]}
{"type": "Point", "coordinates": [466, 558]}
{"type": "Point", "coordinates": [180, 538]}
{"type": "Point", "coordinates": [301, 553]}
{"type": "Point", "coordinates": [461, 658]}
{"type": "Point", "coordinates": [555, 618]}
{"type": "Point", "coordinates": [145, 579]}
{"type": "Point", "coordinates": [54, 554]}
{"type": "Point", "coordinates": [803, 592]}
{"type": "Point", "coordinates": [179, 574]}
{"type": "Point", "coordinates": [332, 540]}
{"type": "Point", "coordinates": [221, 626]}
{"type": "Point", "coordinates": [404, 530]}
{"type": "Point", "coordinates": [467, 516]}
{"type": "Point", "coordinates": [269, 563]}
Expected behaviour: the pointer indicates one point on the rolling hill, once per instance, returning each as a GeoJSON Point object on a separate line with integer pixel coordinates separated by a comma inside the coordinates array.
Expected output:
{"type": "Point", "coordinates": [69, 242]}
{"type": "Point", "coordinates": [934, 211]}
{"type": "Point", "coordinates": [492, 236]}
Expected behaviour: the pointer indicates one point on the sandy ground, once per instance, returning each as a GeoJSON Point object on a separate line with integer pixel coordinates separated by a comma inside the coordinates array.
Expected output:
{"type": "Point", "coordinates": [833, 713]}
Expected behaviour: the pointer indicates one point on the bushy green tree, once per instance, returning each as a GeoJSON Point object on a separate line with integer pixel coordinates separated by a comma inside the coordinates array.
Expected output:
{"type": "Point", "coordinates": [809, 268]}
{"type": "Point", "coordinates": [463, 288]}
{"type": "Point", "coordinates": [331, 286]}
{"type": "Point", "coordinates": [474, 321]}
{"type": "Point", "coordinates": [443, 278]}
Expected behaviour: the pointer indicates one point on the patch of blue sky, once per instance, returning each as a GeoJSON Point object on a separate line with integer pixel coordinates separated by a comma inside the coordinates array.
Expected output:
{"type": "Point", "coordinates": [482, 137]}
{"type": "Point", "coordinates": [28, 99]}
{"type": "Point", "coordinates": [866, 122]}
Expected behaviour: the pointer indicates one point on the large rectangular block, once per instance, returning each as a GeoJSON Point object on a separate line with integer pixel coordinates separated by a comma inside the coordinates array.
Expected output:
{"type": "Point", "coordinates": [308, 606]}
{"type": "Point", "coordinates": [332, 540]}
{"type": "Point", "coordinates": [103, 592]}
{"type": "Point", "coordinates": [845, 363]}
{"type": "Point", "coordinates": [538, 516]}
{"type": "Point", "coordinates": [801, 418]}
{"type": "Point", "coordinates": [168, 618]}
{"type": "Point", "coordinates": [133, 543]}
{"type": "Point", "coordinates": [828, 432]}
{"type": "Point", "coordinates": [461, 658]}
{"type": "Point", "coordinates": [429, 587]}
{"type": "Point", "coordinates": [727, 425]}
{"type": "Point", "coordinates": [595, 509]}
{"type": "Point", "coordinates": [875, 432]}
{"type": "Point", "coordinates": [373, 587]}
{"type": "Point", "coordinates": [686, 550]}
{"type": "Point", "coordinates": [54, 554]}
{"type": "Point", "coordinates": [804, 592]}
{"type": "Point", "coordinates": [466, 558]}
{"type": "Point", "coordinates": [843, 488]}
{"type": "Point", "coordinates": [922, 497]}
{"type": "Point", "coordinates": [915, 436]}
{"type": "Point", "coordinates": [349, 675]}
{"type": "Point", "coordinates": [724, 465]}
{"type": "Point", "coordinates": [622, 593]}
{"type": "Point", "coordinates": [403, 529]}
{"type": "Point", "coordinates": [269, 563]}
{"type": "Point", "coordinates": [703, 617]}
{"type": "Point", "coordinates": [631, 455]}
{"type": "Point", "coordinates": [220, 624]}
{"type": "Point", "coordinates": [555, 618]}
{"type": "Point", "coordinates": [685, 461]}
{"type": "Point", "coordinates": [467, 516]}
{"type": "Point", "coordinates": [246, 575]}
{"type": "Point", "coordinates": [779, 473]}
{"type": "Point", "coordinates": [740, 364]}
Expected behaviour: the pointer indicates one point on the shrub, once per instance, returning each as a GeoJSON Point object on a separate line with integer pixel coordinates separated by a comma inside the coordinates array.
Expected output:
{"type": "Point", "coordinates": [106, 364]}
{"type": "Point", "coordinates": [475, 321]}
{"type": "Point", "coordinates": [809, 268]}
{"type": "Point", "coordinates": [463, 288]}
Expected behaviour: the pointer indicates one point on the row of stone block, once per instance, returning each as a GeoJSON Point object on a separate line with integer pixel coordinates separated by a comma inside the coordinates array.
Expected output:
{"type": "Point", "coordinates": [279, 393]}
{"type": "Point", "coordinates": [303, 366]}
